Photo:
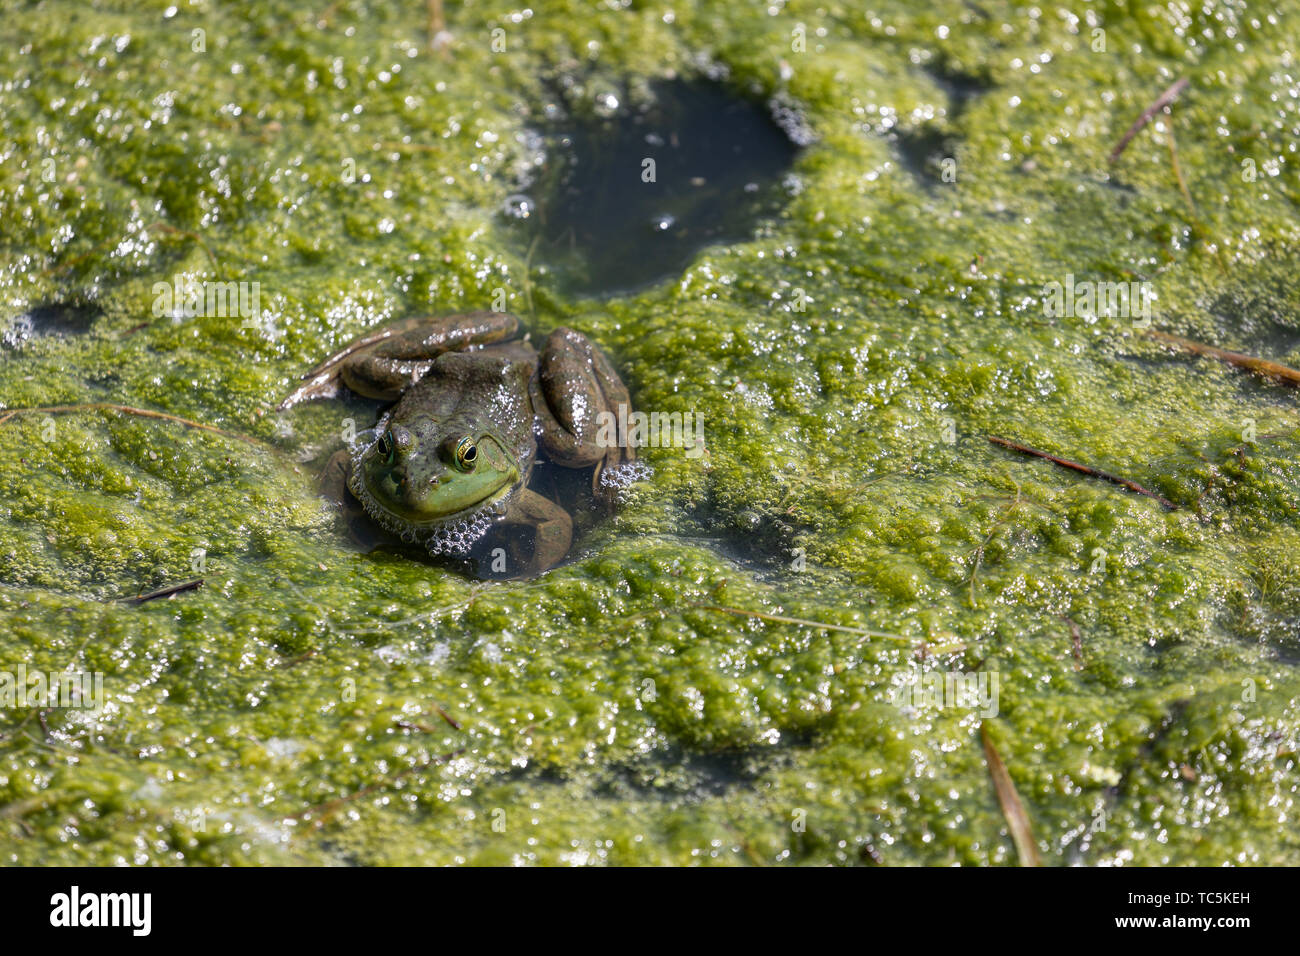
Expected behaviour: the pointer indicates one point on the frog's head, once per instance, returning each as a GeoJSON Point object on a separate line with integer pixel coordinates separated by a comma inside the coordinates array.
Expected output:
{"type": "Point", "coordinates": [417, 476]}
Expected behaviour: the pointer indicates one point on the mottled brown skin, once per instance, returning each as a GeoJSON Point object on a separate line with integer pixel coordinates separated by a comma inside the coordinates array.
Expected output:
{"type": "Point", "coordinates": [467, 387]}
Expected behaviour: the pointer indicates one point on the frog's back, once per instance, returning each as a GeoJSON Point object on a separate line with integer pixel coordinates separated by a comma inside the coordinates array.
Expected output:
{"type": "Point", "coordinates": [485, 390]}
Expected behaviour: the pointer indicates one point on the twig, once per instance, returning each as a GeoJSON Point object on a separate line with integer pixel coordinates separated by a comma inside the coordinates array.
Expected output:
{"type": "Point", "coordinates": [159, 226]}
{"type": "Point", "coordinates": [451, 721]}
{"type": "Point", "coordinates": [425, 728]}
{"type": "Point", "coordinates": [167, 591]}
{"type": "Point", "coordinates": [1165, 98]}
{"type": "Point", "coordinates": [1178, 175]}
{"type": "Point", "coordinates": [129, 410]}
{"type": "Point", "coordinates": [323, 20]}
{"type": "Point", "coordinates": [979, 552]}
{"type": "Point", "coordinates": [305, 655]}
{"type": "Point", "coordinates": [1273, 370]}
{"type": "Point", "coordinates": [782, 619]}
{"type": "Point", "coordinates": [438, 36]}
{"type": "Point", "coordinates": [1022, 835]}
{"type": "Point", "coordinates": [1085, 469]}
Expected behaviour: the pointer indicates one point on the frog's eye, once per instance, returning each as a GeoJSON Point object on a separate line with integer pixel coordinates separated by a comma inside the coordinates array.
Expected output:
{"type": "Point", "coordinates": [387, 447]}
{"type": "Point", "coordinates": [466, 454]}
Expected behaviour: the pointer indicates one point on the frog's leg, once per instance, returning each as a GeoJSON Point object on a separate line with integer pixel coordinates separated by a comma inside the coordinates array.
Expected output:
{"type": "Point", "coordinates": [552, 532]}
{"type": "Point", "coordinates": [333, 486]}
{"type": "Point", "coordinates": [333, 481]}
{"type": "Point", "coordinates": [385, 362]}
{"type": "Point", "coordinates": [574, 385]}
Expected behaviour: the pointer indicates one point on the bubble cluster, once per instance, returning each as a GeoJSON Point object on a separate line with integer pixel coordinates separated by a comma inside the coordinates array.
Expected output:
{"type": "Point", "coordinates": [623, 476]}
{"type": "Point", "coordinates": [792, 119]}
{"type": "Point", "coordinates": [19, 331]}
{"type": "Point", "coordinates": [458, 536]}
{"type": "Point", "coordinates": [518, 206]}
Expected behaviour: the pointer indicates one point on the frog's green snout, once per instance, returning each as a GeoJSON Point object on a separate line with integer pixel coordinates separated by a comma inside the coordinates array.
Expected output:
{"type": "Point", "coordinates": [428, 481]}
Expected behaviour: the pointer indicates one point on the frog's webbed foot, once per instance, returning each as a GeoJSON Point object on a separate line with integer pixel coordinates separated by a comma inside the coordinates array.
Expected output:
{"type": "Point", "coordinates": [386, 361]}
{"type": "Point", "coordinates": [551, 534]}
{"type": "Point", "coordinates": [577, 397]}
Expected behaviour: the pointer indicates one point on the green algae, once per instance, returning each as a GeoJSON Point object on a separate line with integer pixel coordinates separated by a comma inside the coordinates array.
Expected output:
{"type": "Point", "coordinates": [847, 361]}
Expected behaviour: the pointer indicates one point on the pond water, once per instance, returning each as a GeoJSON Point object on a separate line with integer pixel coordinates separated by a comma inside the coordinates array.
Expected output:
{"type": "Point", "coordinates": [630, 193]}
{"type": "Point", "coordinates": [728, 671]}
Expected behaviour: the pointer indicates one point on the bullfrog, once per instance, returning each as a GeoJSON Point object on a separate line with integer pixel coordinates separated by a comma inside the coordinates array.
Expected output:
{"type": "Point", "coordinates": [474, 407]}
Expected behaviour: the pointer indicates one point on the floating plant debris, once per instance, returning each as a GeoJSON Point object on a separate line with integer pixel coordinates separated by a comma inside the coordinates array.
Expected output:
{"type": "Point", "coordinates": [1083, 469]}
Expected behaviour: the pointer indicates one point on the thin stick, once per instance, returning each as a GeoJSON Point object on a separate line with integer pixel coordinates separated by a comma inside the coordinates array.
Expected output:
{"type": "Point", "coordinates": [167, 591]}
{"type": "Point", "coordinates": [129, 410]}
{"type": "Point", "coordinates": [1022, 835]}
{"type": "Point", "coordinates": [1178, 175]}
{"type": "Point", "coordinates": [437, 22]}
{"type": "Point", "coordinates": [1165, 98]}
{"type": "Point", "coordinates": [437, 27]}
{"type": "Point", "coordinates": [1273, 370]}
{"type": "Point", "coordinates": [159, 226]}
{"type": "Point", "coordinates": [744, 843]}
{"type": "Point", "coordinates": [1085, 469]}
{"type": "Point", "coordinates": [450, 720]}
{"type": "Point", "coordinates": [979, 552]}
{"type": "Point", "coordinates": [20, 808]}
{"type": "Point", "coordinates": [425, 728]}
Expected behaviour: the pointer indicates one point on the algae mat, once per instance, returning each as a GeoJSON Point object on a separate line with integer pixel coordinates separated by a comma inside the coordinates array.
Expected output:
{"type": "Point", "coordinates": [761, 659]}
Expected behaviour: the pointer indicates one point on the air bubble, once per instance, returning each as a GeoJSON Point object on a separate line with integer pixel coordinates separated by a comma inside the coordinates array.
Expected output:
{"type": "Point", "coordinates": [623, 476]}
{"type": "Point", "coordinates": [606, 104]}
{"type": "Point", "coordinates": [518, 206]}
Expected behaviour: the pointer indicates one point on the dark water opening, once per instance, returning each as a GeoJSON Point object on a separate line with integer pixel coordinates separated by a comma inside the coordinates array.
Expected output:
{"type": "Point", "coordinates": [626, 200]}
{"type": "Point", "coordinates": [923, 152]}
{"type": "Point", "coordinates": [56, 319]}
{"type": "Point", "coordinates": [962, 87]}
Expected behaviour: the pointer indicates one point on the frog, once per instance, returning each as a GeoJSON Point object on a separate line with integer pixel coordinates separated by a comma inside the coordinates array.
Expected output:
{"type": "Point", "coordinates": [473, 408]}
